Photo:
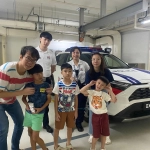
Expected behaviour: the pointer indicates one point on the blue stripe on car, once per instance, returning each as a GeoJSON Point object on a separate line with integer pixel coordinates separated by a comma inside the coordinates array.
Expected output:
{"type": "Point", "coordinates": [145, 71]}
{"type": "Point", "coordinates": [128, 78]}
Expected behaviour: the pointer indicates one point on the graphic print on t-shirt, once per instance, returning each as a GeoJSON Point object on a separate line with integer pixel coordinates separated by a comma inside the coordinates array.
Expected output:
{"type": "Point", "coordinates": [97, 102]}
{"type": "Point", "coordinates": [66, 97]}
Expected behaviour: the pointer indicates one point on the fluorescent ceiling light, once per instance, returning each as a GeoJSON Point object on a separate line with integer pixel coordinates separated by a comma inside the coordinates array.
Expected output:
{"type": "Point", "coordinates": [146, 21]}
{"type": "Point", "coordinates": [65, 41]}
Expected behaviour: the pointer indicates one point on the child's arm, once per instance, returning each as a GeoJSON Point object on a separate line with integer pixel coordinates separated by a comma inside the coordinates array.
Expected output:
{"type": "Point", "coordinates": [25, 102]}
{"type": "Point", "coordinates": [57, 117]}
{"type": "Point", "coordinates": [37, 110]}
{"type": "Point", "coordinates": [76, 106]}
{"type": "Point", "coordinates": [112, 95]}
{"type": "Point", "coordinates": [85, 88]}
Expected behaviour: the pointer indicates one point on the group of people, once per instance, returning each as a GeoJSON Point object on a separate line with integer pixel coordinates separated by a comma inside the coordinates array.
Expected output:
{"type": "Point", "coordinates": [30, 78]}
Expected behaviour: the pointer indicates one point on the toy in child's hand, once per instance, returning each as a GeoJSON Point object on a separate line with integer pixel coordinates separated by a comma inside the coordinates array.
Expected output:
{"type": "Point", "coordinates": [31, 107]}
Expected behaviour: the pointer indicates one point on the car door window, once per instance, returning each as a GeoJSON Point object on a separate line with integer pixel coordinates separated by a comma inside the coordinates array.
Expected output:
{"type": "Point", "coordinates": [114, 62]}
{"type": "Point", "coordinates": [86, 57]}
{"type": "Point", "coordinates": [62, 58]}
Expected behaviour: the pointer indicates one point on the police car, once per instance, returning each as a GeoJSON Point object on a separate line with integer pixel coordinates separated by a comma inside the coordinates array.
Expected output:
{"type": "Point", "coordinates": [131, 85]}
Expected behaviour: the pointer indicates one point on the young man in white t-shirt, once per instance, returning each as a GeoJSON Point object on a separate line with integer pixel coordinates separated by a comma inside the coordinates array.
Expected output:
{"type": "Point", "coordinates": [97, 102]}
{"type": "Point", "coordinates": [48, 62]}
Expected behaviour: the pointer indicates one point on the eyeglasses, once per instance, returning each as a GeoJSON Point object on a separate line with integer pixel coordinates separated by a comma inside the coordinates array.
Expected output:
{"type": "Point", "coordinates": [29, 59]}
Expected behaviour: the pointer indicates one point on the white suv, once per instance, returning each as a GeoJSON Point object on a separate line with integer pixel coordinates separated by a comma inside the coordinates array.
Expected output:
{"type": "Point", "coordinates": [131, 85]}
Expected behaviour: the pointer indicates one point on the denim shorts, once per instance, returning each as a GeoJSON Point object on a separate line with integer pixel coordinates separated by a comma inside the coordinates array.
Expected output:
{"type": "Point", "coordinates": [34, 121]}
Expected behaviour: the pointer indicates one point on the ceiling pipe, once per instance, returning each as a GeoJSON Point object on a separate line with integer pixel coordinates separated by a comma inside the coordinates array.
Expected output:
{"type": "Point", "coordinates": [17, 24]}
{"type": "Point", "coordinates": [30, 13]}
{"type": "Point", "coordinates": [135, 24]}
{"type": "Point", "coordinates": [32, 26]}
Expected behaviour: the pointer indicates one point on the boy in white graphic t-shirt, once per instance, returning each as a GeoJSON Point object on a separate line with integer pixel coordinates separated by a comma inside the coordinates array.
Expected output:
{"type": "Point", "coordinates": [66, 105]}
{"type": "Point", "coordinates": [97, 102]}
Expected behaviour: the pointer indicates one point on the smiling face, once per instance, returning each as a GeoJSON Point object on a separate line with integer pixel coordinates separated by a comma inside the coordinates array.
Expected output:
{"type": "Point", "coordinates": [27, 61]}
{"type": "Point", "coordinates": [75, 54]}
{"type": "Point", "coordinates": [100, 85]}
{"type": "Point", "coordinates": [96, 61]}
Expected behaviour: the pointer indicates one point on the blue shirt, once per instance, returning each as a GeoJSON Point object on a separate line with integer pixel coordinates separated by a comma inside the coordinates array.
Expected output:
{"type": "Point", "coordinates": [39, 98]}
{"type": "Point", "coordinates": [94, 76]}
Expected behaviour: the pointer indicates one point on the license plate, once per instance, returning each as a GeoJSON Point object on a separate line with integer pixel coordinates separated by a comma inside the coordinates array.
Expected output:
{"type": "Point", "coordinates": [147, 106]}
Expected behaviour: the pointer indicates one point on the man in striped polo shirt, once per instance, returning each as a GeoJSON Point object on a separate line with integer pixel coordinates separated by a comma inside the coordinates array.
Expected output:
{"type": "Point", "coordinates": [13, 77]}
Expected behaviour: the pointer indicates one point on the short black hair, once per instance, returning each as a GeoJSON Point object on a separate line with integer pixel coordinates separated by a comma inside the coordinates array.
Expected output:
{"type": "Point", "coordinates": [34, 52]}
{"type": "Point", "coordinates": [66, 66]}
{"type": "Point", "coordinates": [46, 35]}
{"type": "Point", "coordinates": [72, 49]}
{"type": "Point", "coordinates": [104, 79]}
{"type": "Point", "coordinates": [36, 69]}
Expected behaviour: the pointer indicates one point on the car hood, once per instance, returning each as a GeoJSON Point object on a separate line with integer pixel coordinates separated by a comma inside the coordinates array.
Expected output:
{"type": "Point", "coordinates": [132, 75]}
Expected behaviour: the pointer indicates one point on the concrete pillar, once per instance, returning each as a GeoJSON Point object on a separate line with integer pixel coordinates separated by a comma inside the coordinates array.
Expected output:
{"type": "Point", "coordinates": [102, 8]}
{"type": "Point", "coordinates": [3, 47]}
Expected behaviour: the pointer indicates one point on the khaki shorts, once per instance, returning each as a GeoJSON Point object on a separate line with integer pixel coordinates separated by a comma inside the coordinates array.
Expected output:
{"type": "Point", "coordinates": [65, 117]}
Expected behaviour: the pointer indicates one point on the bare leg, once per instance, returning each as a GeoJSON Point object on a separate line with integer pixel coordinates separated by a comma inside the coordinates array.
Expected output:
{"type": "Point", "coordinates": [94, 140]}
{"type": "Point", "coordinates": [69, 135]}
{"type": "Point", "coordinates": [33, 143]}
{"type": "Point", "coordinates": [37, 139]}
{"type": "Point", "coordinates": [103, 140]}
{"type": "Point", "coordinates": [56, 134]}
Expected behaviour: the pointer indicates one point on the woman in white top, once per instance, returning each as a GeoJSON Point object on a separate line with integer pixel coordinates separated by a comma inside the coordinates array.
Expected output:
{"type": "Point", "coordinates": [80, 68]}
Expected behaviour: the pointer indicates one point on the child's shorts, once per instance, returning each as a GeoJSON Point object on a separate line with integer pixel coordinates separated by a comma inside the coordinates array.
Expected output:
{"type": "Point", "coordinates": [100, 123]}
{"type": "Point", "coordinates": [33, 121]}
{"type": "Point", "coordinates": [65, 117]}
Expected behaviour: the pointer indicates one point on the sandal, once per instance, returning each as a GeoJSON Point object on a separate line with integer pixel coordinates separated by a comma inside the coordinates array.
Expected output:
{"type": "Point", "coordinates": [69, 147]}
{"type": "Point", "coordinates": [59, 148]}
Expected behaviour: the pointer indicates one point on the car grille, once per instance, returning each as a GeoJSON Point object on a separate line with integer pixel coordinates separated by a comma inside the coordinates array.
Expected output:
{"type": "Point", "coordinates": [140, 93]}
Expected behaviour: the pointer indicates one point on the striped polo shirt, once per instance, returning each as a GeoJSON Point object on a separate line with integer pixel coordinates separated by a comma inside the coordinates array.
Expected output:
{"type": "Point", "coordinates": [11, 81]}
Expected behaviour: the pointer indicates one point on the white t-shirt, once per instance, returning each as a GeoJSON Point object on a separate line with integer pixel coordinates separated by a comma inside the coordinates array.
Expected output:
{"type": "Point", "coordinates": [11, 81]}
{"type": "Point", "coordinates": [97, 101]}
{"type": "Point", "coordinates": [83, 67]}
{"type": "Point", "coordinates": [47, 58]}
{"type": "Point", "coordinates": [66, 95]}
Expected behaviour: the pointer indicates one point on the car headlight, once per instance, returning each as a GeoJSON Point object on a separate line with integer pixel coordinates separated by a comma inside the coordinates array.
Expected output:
{"type": "Point", "coordinates": [118, 86]}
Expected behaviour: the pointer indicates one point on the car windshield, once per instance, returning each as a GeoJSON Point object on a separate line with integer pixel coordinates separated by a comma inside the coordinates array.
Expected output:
{"type": "Point", "coordinates": [111, 61]}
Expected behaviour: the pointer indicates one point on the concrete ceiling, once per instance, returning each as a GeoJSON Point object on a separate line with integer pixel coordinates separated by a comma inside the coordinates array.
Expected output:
{"type": "Point", "coordinates": [58, 11]}
{"type": "Point", "coordinates": [60, 16]}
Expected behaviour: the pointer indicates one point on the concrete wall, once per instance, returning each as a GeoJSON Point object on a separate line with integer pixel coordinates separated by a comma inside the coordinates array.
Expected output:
{"type": "Point", "coordinates": [135, 47]}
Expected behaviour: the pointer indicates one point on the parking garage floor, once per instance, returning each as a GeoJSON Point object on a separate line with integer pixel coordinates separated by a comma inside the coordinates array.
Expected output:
{"type": "Point", "coordinates": [133, 135]}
